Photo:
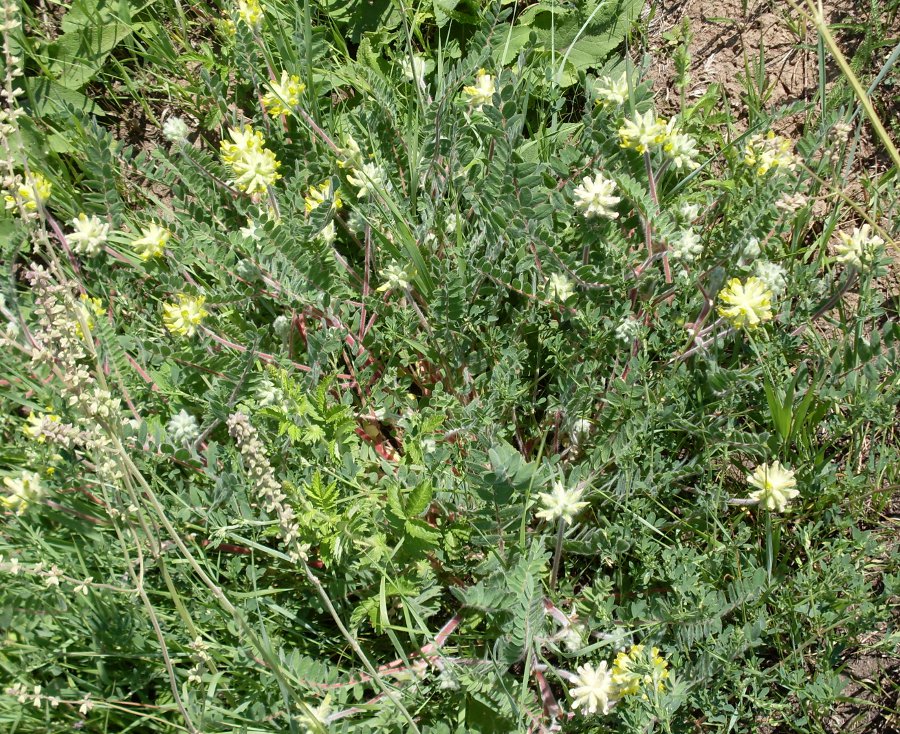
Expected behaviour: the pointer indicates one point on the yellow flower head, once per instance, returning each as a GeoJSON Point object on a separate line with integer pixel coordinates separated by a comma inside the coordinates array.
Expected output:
{"type": "Point", "coordinates": [318, 195]}
{"type": "Point", "coordinates": [21, 491]}
{"type": "Point", "coordinates": [612, 92]}
{"type": "Point", "coordinates": [482, 92]}
{"type": "Point", "coordinates": [746, 305]}
{"type": "Point", "coordinates": [643, 132]}
{"type": "Point", "coordinates": [769, 152]}
{"type": "Point", "coordinates": [34, 190]}
{"type": "Point", "coordinates": [184, 316]}
{"type": "Point", "coordinates": [635, 668]}
{"type": "Point", "coordinates": [775, 486]}
{"type": "Point", "coordinates": [254, 166]}
{"type": "Point", "coordinates": [284, 95]}
{"type": "Point", "coordinates": [36, 423]}
{"type": "Point", "coordinates": [250, 12]}
{"type": "Point", "coordinates": [152, 241]}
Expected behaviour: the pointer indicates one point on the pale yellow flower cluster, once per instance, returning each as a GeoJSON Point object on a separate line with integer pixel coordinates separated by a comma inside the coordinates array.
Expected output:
{"type": "Point", "coordinates": [858, 248]}
{"type": "Point", "coordinates": [254, 166]}
{"type": "Point", "coordinates": [746, 305]}
{"type": "Point", "coordinates": [482, 92]}
{"type": "Point", "coordinates": [611, 92]}
{"type": "Point", "coordinates": [561, 503]}
{"type": "Point", "coordinates": [594, 197]}
{"type": "Point", "coordinates": [250, 12]}
{"type": "Point", "coordinates": [185, 315]}
{"type": "Point", "coordinates": [29, 193]}
{"type": "Point", "coordinates": [775, 486]}
{"type": "Point", "coordinates": [645, 131]}
{"type": "Point", "coordinates": [284, 95]}
{"type": "Point", "coordinates": [152, 241]}
{"type": "Point", "coordinates": [599, 689]}
{"type": "Point", "coordinates": [769, 152]}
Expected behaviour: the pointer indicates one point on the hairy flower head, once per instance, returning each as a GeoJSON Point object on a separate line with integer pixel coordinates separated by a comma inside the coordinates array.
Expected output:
{"type": "Point", "coordinates": [175, 129]}
{"type": "Point", "coordinates": [746, 305]}
{"type": "Point", "coordinates": [680, 147]}
{"type": "Point", "coordinates": [559, 287]}
{"type": "Point", "coordinates": [152, 241]}
{"type": "Point", "coordinates": [21, 491]}
{"type": "Point", "coordinates": [283, 96]}
{"type": "Point", "coordinates": [29, 193]}
{"type": "Point", "coordinates": [482, 92]}
{"type": "Point", "coordinates": [184, 316]}
{"type": "Point", "coordinates": [776, 486]}
{"type": "Point", "coordinates": [254, 166]}
{"type": "Point", "coordinates": [90, 234]}
{"type": "Point", "coordinates": [769, 152]}
{"type": "Point", "coordinates": [859, 247]}
{"type": "Point", "coordinates": [592, 689]}
{"type": "Point", "coordinates": [642, 132]}
{"type": "Point", "coordinates": [594, 197]}
{"type": "Point", "coordinates": [611, 92]}
{"type": "Point", "coordinates": [561, 503]}
{"type": "Point", "coordinates": [182, 428]}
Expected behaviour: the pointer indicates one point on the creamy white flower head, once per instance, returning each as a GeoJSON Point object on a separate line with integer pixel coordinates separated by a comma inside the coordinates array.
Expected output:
{"type": "Point", "coordinates": [90, 234]}
{"type": "Point", "coordinates": [776, 486]}
{"type": "Point", "coordinates": [559, 287]}
{"type": "Point", "coordinates": [414, 70]}
{"type": "Point", "coordinates": [594, 197]}
{"type": "Point", "coordinates": [611, 92]}
{"type": "Point", "coordinates": [686, 246]}
{"type": "Point", "coordinates": [367, 178]}
{"type": "Point", "coordinates": [772, 274]}
{"type": "Point", "coordinates": [751, 250]}
{"type": "Point", "coordinates": [859, 248]}
{"type": "Point", "coordinates": [182, 428]}
{"type": "Point", "coordinates": [681, 148]}
{"type": "Point", "coordinates": [175, 129]}
{"type": "Point", "coordinates": [482, 92]}
{"type": "Point", "coordinates": [593, 689]}
{"type": "Point", "coordinates": [561, 503]}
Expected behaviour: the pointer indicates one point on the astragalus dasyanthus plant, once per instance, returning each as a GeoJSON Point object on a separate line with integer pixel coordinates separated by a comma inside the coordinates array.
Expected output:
{"type": "Point", "coordinates": [432, 397]}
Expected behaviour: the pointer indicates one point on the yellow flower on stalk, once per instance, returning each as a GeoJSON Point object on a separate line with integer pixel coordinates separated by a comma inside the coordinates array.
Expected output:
{"type": "Point", "coordinates": [250, 12]}
{"type": "Point", "coordinates": [482, 92]}
{"type": "Point", "coordinates": [152, 241]}
{"type": "Point", "coordinates": [21, 491]}
{"type": "Point", "coordinates": [318, 195]}
{"type": "Point", "coordinates": [34, 190]}
{"type": "Point", "coordinates": [746, 305]}
{"type": "Point", "coordinates": [776, 486]}
{"type": "Point", "coordinates": [769, 152]}
{"type": "Point", "coordinates": [254, 166]}
{"type": "Point", "coordinates": [634, 668]}
{"type": "Point", "coordinates": [643, 132]}
{"type": "Point", "coordinates": [184, 316]}
{"type": "Point", "coordinates": [283, 96]}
